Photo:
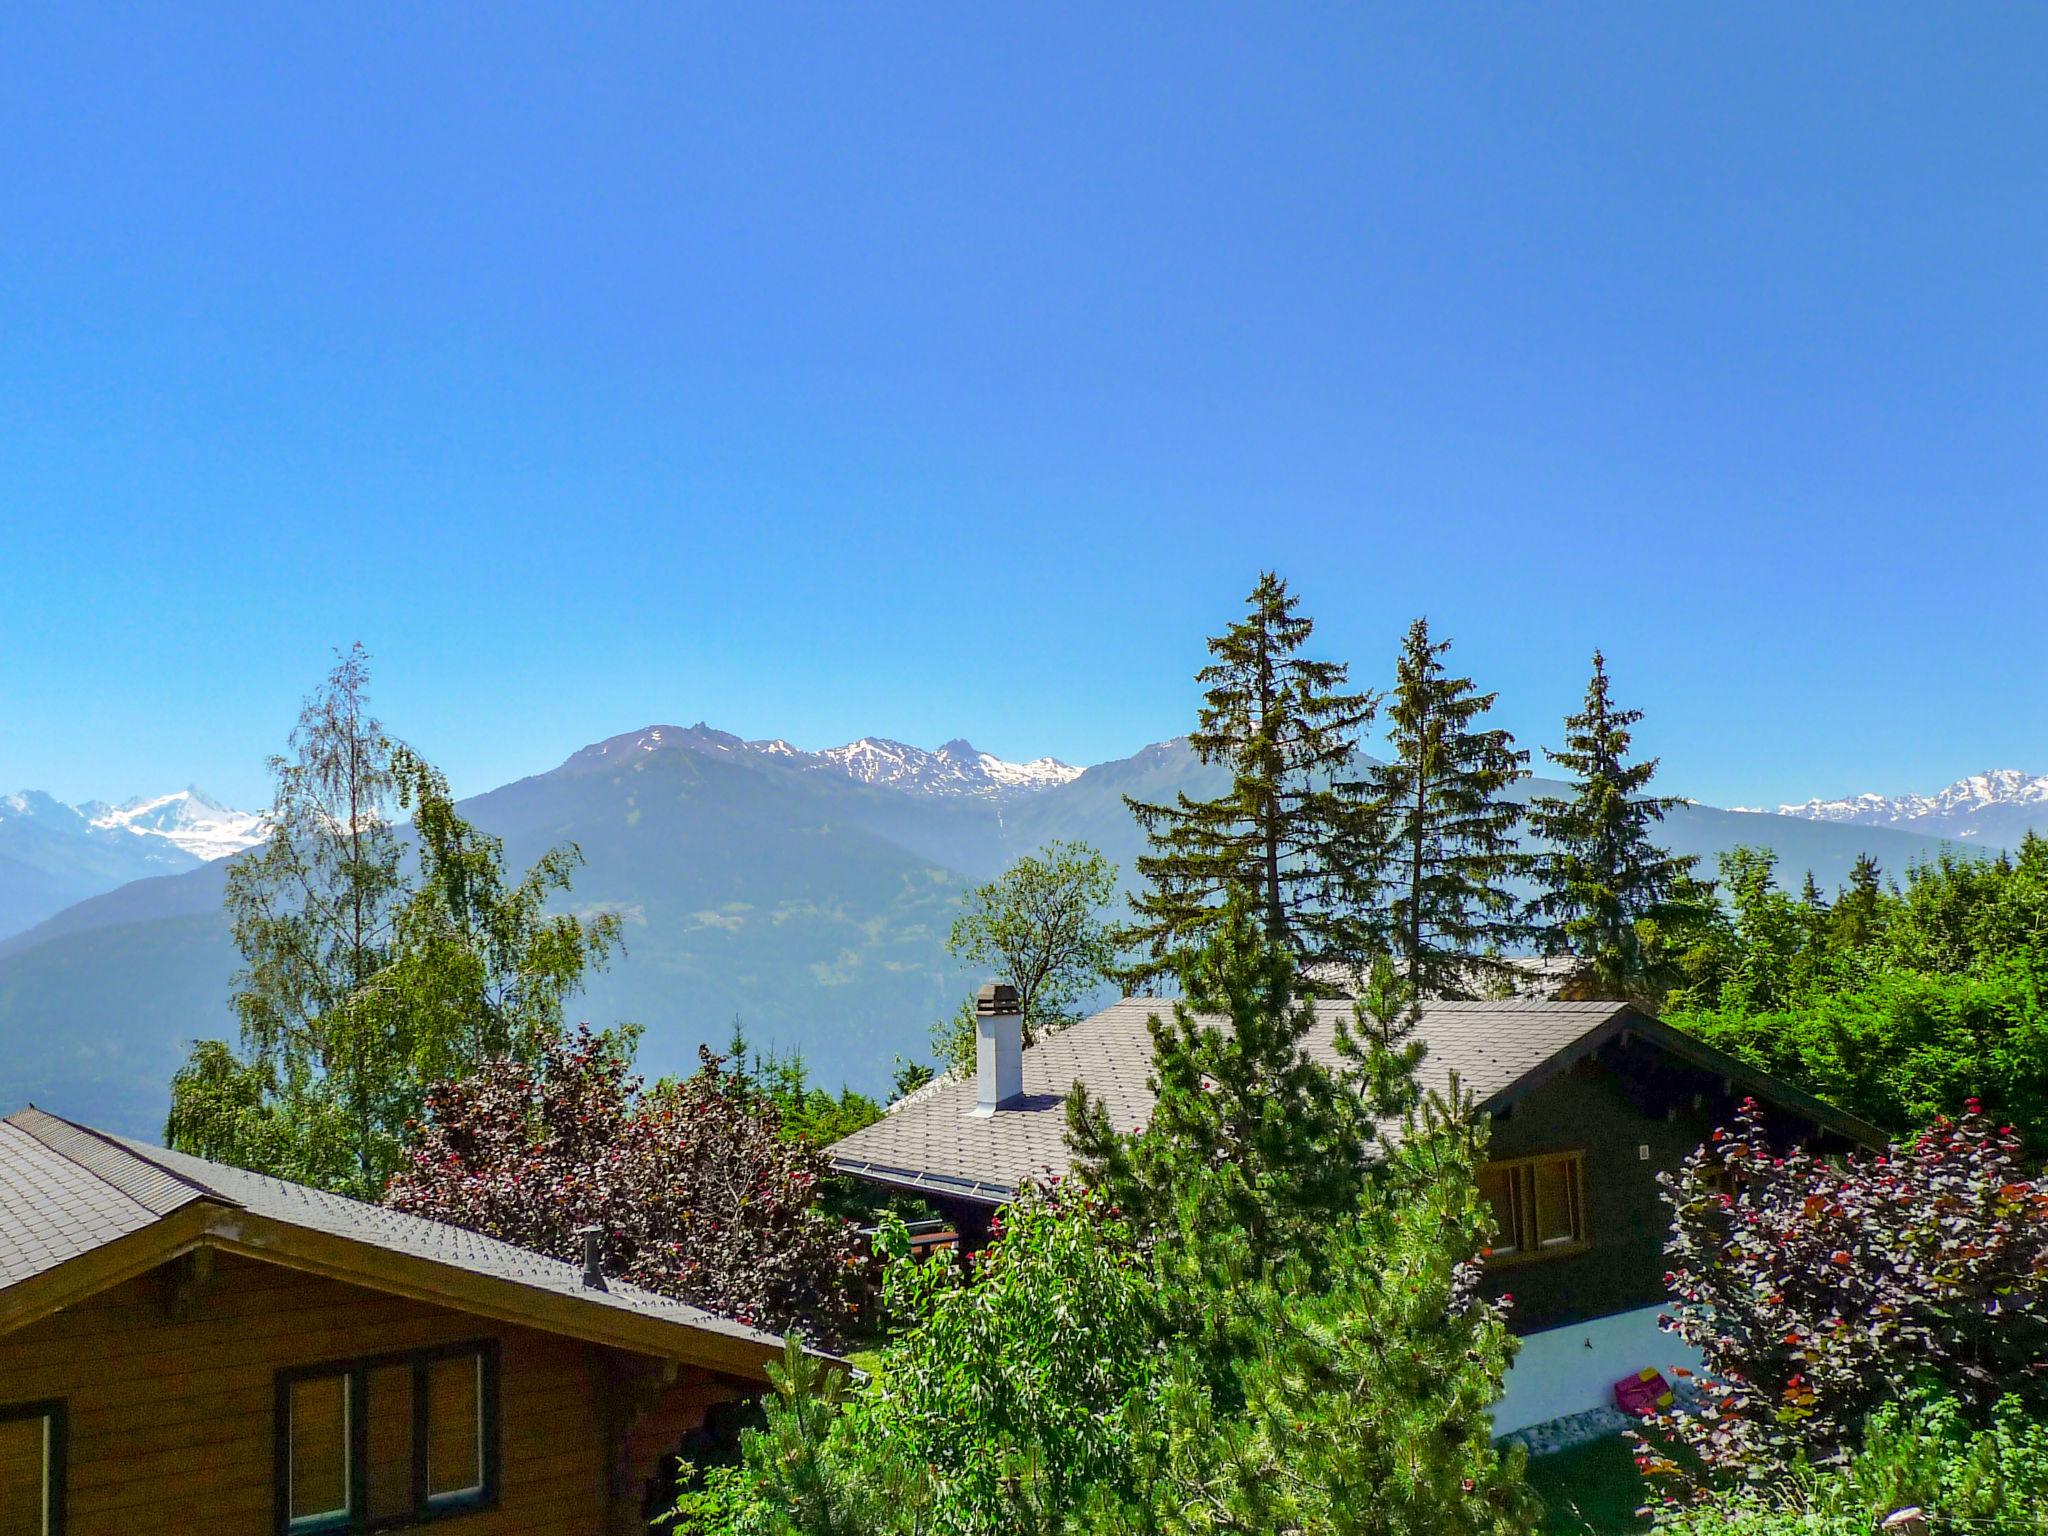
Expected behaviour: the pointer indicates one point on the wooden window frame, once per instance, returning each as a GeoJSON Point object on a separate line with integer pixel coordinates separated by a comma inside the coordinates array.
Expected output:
{"type": "Point", "coordinates": [1527, 1249]}
{"type": "Point", "coordinates": [56, 1454]}
{"type": "Point", "coordinates": [357, 1371]}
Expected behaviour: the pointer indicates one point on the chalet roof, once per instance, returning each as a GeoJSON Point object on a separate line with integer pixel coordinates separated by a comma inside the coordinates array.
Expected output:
{"type": "Point", "coordinates": [1499, 1051]}
{"type": "Point", "coordinates": [67, 1190]}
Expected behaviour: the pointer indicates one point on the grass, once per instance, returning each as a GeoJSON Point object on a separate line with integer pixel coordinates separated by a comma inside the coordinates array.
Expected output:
{"type": "Point", "coordinates": [1592, 1487]}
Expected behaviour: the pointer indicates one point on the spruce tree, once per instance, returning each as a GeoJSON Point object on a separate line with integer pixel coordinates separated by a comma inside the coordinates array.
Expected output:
{"type": "Point", "coordinates": [1446, 834]}
{"type": "Point", "coordinates": [1599, 872]}
{"type": "Point", "coordinates": [1855, 917]}
{"type": "Point", "coordinates": [1290, 831]}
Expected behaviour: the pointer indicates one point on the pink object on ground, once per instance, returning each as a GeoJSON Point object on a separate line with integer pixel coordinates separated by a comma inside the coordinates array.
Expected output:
{"type": "Point", "coordinates": [1643, 1393]}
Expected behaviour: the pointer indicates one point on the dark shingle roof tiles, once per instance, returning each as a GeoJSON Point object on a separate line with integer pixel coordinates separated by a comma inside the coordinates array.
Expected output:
{"type": "Point", "coordinates": [934, 1140]}
{"type": "Point", "coordinates": [66, 1189]}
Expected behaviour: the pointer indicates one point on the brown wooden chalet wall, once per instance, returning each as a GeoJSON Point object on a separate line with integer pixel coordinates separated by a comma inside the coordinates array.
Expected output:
{"type": "Point", "coordinates": [1609, 1107]}
{"type": "Point", "coordinates": [169, 1393]}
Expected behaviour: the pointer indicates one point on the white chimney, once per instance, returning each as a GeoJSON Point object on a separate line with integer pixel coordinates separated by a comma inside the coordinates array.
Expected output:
{"type": "Point", "coordinates": [998, 1047]}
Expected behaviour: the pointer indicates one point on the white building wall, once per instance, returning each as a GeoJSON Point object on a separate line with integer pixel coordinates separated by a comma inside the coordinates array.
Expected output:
{"type": "Point", "coordinates": [1570, 1370]}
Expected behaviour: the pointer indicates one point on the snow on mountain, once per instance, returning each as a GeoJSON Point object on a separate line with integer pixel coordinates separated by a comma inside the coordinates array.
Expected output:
{"type": "Point", "coordinates": [957, 768]}
{"type": "Point", "coordinates": [187, 819]}
{"type": "Point", "coordinates": [1997, 807]}
{"type": "Point", "coordinates": [34, 805]}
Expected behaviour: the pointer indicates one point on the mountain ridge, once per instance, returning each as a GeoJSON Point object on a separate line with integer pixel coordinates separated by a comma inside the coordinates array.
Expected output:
{"type": "Point", "coordinates": [54, 854]}
{"type": "Point", "coordinates": [1998, 806]}
{"type": "Point", "coordinates": [957, 767]}
{"type": "Point", "coordinates": [812, 902]}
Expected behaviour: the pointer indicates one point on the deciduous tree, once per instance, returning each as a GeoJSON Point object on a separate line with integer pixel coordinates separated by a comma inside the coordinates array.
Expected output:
{"type": "Point", "coordinates": [375, 964]}
{"type": "Point", "coordinates": [1039, 926]}
{"type": "Point", "coordinates": [698, 1193]}
{"type": "Point", "coordinates": [1819, 1289]}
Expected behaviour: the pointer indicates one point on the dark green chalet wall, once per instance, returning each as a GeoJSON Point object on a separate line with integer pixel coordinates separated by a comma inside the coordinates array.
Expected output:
{"type": "Point", "coordinates": [1594, 1108]}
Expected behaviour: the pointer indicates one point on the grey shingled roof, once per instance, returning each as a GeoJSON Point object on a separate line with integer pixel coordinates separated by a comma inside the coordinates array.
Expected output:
{"type": "Point", "coordinates": [933, 1141]}
{"type": "Point", "coordinates": [66, 1189]}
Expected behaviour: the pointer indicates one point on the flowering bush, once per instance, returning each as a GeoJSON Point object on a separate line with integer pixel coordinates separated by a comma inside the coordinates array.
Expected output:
{"type": "Point", "coordinates": [1818, 1289]}
{"type": "Point", "coordinates": [698, 1194]}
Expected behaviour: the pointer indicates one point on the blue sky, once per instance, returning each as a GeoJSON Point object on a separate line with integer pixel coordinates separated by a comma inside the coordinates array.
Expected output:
{"type": "Point", "coordinates": [835, 370]}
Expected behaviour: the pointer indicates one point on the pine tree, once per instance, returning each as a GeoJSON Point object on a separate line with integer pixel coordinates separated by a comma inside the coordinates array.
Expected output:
{"type": "Point", "coordinates": [1599, 872]}
{"type": "Point", "coordinates": [1363, 1410]}
{"type": "Point", "coordinates": [1291, 829]}
{"type": "Point", "coordinates": [1243, 1097]}
{"type": "Point", "coordinates": [1446, 834]}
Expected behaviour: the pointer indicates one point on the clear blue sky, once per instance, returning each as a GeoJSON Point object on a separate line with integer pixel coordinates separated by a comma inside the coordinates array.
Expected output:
{"type": "Point", "coordinates": [847, 369]}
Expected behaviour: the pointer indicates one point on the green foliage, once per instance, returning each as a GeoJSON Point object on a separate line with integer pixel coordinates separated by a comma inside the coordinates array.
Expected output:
{"type": "Point", "coordinates": [1039, 925]}
{"type": "Point", "coordinates": [1446, 834]}
{"type": "Point", "coordinates": [1359, 1400]}
{"type": "Point", "coordinates": [1003, 1404]}
{"type": "Point", "coordinates": [780, 1085]}
{"type": "Point", "coordinates": [1291, 832]}
{"type": "Point", "coordinates": [1904, 1048]}
{"type": "Point", "coordinates": [803, 1111]}
{"type": "Point", "coordinates": [1897, 1004]}
{"type": "Point", "coordinates": [1247, 1129]}
{"type": "Point", "coordinates": [479, 967]}
{"type": "Point", "coordinates": [1282, 1337]}
{"type": "Point", "coordinates": [363, 986]}
{"type": "Point", "coordinates": [1600, 876]}
{"type": "Point", "coordinates": [1921, 1455]}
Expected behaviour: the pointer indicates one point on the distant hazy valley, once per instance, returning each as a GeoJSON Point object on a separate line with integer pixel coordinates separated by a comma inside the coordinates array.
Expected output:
{"type": "Point", "coordinates": [809, 893]}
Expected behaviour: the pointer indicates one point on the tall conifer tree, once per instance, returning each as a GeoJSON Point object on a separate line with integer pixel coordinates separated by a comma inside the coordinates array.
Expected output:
{"type": "Point", "coordinates": [1446, 834]}
{"type": "Point", "coordinates": [1290, 832]}
{"type": "Point", "coordinates": [1600, 873]}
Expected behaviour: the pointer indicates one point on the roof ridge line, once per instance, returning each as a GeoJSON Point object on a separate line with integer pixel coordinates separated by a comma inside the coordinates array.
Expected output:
{"type": "Point", "coordinates": [120, 1149]}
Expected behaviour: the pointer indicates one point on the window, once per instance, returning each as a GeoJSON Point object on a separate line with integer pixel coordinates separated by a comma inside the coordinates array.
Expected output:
{"type": "Point", "coordinates": [32, 1469]}
{"type": "Point", "coordinates": [1539, 1205]}
{"type": "Point", "coordinates": [367, 1445]}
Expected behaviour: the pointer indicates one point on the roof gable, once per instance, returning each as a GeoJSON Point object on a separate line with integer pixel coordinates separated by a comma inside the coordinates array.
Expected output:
{"type": "Point", "coordinates": [68, 1192]}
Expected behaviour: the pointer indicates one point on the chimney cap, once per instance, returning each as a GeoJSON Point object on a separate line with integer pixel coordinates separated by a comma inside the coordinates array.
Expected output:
{"type": "Point", "coordinates": [998, 997]}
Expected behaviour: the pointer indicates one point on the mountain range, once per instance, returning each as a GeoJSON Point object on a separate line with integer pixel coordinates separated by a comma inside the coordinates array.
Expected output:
{"type": "Point", "coordinates": [53, 854]}
{"type": "Point", "coordinates": [1999, 808]}
{"type": "Point", "coordinates": [807, 893]}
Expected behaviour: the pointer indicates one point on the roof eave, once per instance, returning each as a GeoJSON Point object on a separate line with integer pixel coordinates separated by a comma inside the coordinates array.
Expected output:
{"type": "Point", "coordinates": [1628, 1018]}
{"type": "Point", "coordinates": [211, 1223]}
{"type": "Point", "coordinates": [986, 1192]}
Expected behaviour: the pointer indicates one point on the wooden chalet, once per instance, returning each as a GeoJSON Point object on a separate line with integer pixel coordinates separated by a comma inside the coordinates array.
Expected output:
{"type": "Point", "coordinates": [188, 1347]}
{"type": "Point", "coordinates": [1588, 1102]}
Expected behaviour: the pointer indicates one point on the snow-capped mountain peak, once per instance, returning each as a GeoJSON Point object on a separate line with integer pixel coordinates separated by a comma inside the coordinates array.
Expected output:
{"type": "Point", "coordinates": [1998, 806]}
{"type": "Point", "coordinates": [188, 819]}
{"type": "Point", "coordinates": [33, 804]}
{"type": "Point", "coordinates": [957, 768]}
{"type": "Point", "coordinates": [166, 831]}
